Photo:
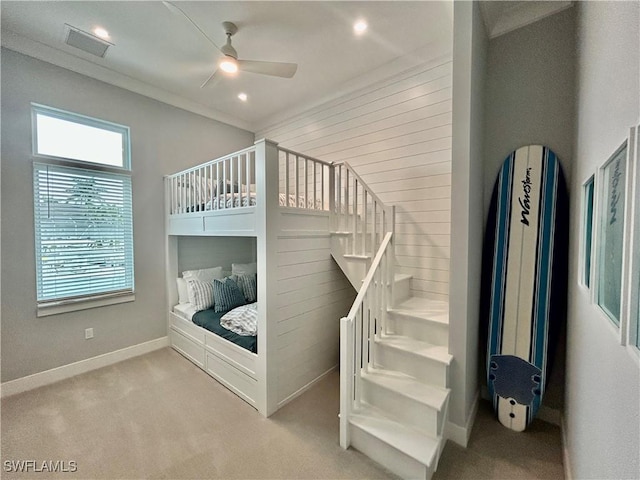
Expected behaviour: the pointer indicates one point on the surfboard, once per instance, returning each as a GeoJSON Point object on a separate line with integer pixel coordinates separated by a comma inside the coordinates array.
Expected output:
{"type": "Point", "coordinates": [524, 272]}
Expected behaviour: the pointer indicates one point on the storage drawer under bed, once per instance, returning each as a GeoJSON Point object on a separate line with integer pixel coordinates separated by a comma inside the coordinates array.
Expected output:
{"type": "Point", "coordinates": [187, 347]}
{"type": "Point", "coordinates": [186, 327]}
{"type": "Point", "coordinates": [241, 384]}
{"type": "Point", "coordinates": [238, 357]}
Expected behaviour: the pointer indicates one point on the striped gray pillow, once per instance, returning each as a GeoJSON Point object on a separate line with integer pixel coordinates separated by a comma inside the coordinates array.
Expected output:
{"type": "Point", "coordinates": [200, 294]}
{"type": "Point", "coordinates": [226, 295]}
{"type": "Point", "coordinates": [249, 287]}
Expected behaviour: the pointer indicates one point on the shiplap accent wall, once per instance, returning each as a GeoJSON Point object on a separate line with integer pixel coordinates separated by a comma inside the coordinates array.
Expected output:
{"type": "Point", "coordinates": [396, 134]}
{"type": "Point", "coordinates": [205, 252]}
{"type": "Point", "coordinates": [313, 294]}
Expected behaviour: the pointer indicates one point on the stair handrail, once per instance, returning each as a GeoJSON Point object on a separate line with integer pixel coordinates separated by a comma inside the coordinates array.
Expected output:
{"type": "Point", "coordinates": [359, 329]}
{"type": "Point", "coordinates": [344, 202]}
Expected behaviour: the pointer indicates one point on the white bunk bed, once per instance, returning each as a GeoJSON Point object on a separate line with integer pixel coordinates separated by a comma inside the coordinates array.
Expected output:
{"type": "Point", "coordinates": [276, 196]}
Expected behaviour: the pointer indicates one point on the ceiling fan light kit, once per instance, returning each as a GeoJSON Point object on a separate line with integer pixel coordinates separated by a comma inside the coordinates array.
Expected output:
{"type": "Point", "coordinates": [228, 65]}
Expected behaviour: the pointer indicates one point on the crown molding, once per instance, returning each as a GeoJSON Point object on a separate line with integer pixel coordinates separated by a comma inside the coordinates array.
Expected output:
{"type": "Point", "coordinates": [516, 15]}
{"type": "Point", "coordinates": [40, 51]}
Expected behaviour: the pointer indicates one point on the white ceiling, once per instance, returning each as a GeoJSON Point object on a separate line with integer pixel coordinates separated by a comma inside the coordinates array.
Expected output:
{"type": "Point", "coordinates": [159, 54]}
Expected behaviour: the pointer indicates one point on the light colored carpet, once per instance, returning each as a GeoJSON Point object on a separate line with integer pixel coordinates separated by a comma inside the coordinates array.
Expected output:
{"type": "Point", "coordinates": [495, 452]}
{"type": "Point", "coordinates": [159, 416]}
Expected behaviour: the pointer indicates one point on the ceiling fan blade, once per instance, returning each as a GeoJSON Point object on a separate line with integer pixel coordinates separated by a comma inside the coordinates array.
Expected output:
{"type": "Point", "coordinates": [275, 69]}
{"type": "Point", "coordinates": [173, 8]}
{"type": "Point", "coordinates": [212, 80]}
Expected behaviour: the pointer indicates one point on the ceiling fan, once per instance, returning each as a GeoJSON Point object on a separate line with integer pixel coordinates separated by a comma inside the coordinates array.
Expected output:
{"type": "Point", "coordinates": [229, 61]}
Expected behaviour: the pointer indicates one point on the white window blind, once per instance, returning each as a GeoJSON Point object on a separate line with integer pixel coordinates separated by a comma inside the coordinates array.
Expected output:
{"type": "Point", "coordinates": [83, 233]}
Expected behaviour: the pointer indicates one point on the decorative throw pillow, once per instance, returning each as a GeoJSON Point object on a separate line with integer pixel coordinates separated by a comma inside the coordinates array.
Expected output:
{"type": "Point", "coordinates": [249, 286]}
{"type": "Point", "coordinates": [226, 295]}
{"type": "Point", "coordinates": [224, 186]}
{"type": "Point", "coordinates": [183, 292]}
{"type": "Point", "coordinates": [200, 294]}
{"type": "Point", "coordinates": [203, 275]}
{"type": "Point", "coordinates": [244, 268]}
{"type": "Point", "coordinates": [242, 320]}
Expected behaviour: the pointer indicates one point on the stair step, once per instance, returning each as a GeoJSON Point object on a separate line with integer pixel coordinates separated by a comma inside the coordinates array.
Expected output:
{"type": "Point", "coordinates": [357, 257]}
{"type": "Point", "coordinates": [417, 307]}
{"type": "Point", "coordinates": [416, 445]}
{"type": "Point", "coordinates": [426, 350]}
{"type": "Point", "coordinates": [399, 277]}
{"type": "Point", "coordinates": [429, 395]}
{"type": "Point", "coordinates": [402, 289]}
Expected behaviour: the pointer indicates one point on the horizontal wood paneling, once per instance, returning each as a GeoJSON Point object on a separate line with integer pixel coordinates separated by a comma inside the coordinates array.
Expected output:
{"type": "Point", "coordinates": [205, 252]}
{"type": "Point", "coordinates": [312, 295]}
{"type": "Point", "coordinates": [397, 135]}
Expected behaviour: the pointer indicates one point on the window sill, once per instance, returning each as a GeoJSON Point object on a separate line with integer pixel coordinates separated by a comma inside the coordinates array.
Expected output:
{"type": "Point", "coordinates": [44, 310]}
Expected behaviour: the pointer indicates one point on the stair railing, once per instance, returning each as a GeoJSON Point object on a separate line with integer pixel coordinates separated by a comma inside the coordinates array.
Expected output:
{"type": "Point", "coordinates": [359, 212]}
{"type": "Point", "coordinates": [359, 330]}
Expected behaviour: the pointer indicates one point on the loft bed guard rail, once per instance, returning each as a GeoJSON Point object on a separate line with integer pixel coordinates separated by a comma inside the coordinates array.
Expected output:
{"type": "Point", "coordinates": [228, 182]}
{"type": "Point", "coordinates": [360, 212]}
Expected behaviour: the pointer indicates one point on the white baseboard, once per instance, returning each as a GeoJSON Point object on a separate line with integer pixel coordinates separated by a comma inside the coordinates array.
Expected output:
{"type": "Point", "coordinates": [460, 434]}
{"type": "Point", "coordinates": [300, 391]}
{"type": "Point", "coordinates": [48, 377]}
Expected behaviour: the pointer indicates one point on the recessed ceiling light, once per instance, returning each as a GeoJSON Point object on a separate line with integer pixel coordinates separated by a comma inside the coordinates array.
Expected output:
{"type": "Point", "coordinates": [360, 27]}
{"type": "Point", "coordinates": [101, 32]}
{"type": "Point", "coordinates": [242, 96]}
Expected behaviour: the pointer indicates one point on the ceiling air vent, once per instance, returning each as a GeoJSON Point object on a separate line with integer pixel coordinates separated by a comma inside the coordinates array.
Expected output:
{"type": "Point", "coordinates": [85, 41]}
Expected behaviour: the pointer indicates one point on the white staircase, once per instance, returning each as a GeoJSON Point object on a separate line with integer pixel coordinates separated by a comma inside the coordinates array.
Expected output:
{"type": "Point", "coordinates": [394, 362]}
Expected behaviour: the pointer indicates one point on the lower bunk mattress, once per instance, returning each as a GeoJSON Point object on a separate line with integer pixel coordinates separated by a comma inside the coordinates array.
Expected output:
{"type": "Point", "coordinates": [210, 320]}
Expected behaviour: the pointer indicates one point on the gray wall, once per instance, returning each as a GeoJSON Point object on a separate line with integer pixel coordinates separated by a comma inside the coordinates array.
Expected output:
{"type": "Point", "coordinates": [602, 414]}
{"type": "Point", "coordinates": [530, 92]}
{"type": "Point", "coordinates": [530, 100]}
{"type": "Point", "coordinates": [164, 139]}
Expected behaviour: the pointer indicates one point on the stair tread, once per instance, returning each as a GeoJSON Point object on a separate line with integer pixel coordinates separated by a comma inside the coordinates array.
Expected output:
{"type": "Point", "coordinates": [433, 310]}
{"type": "Point", "coordinates": [430, 395]}
{"type": "Point", "coordinates": [402, 276]}
{"type": "Point", "coordinates": [357, 257]}
{"type": "Point", "coordinates": [417, 347]}
{"type": "Point", "coordinates": [419, 446]}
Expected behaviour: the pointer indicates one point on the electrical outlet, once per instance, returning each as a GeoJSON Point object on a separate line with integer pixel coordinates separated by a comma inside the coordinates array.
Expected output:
{"type": "Point", "coordinates": [88, 333]}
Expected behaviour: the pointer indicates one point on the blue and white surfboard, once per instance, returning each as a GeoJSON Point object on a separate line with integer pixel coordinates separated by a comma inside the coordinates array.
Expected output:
{"type": "Point", "coordinates": [523, 261]}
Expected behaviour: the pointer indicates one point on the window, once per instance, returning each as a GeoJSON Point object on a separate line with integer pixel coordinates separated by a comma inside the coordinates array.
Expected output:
{"type": "Point", "coordinates": [82, 212]}
{"type": "Point", "coordinates": [76, 137]}
{"type": "Point", "coordinates": [612, 220]}
{"type": "Point", "coordinates": [587, 231]}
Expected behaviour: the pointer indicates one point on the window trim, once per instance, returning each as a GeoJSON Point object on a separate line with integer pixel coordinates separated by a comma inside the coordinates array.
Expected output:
{"type": "Point", "coordinates": [64, 305]}
{"type": "Point", "coordinates": [45, 309]}
{"type": "Point", "coordinates": [37, 108]}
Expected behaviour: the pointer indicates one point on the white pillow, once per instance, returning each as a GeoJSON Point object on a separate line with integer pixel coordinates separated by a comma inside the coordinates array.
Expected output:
{"type": "Point", "coordinates": [200, 294]}
{"type": "Point", "coordinates": [244, 268]}
{"type": "Point", "coordinates": [183, 295]}
{"type": "Point", "coordinates": [203, 275]}
{"type": "Point", "coordinates": [252, 188]}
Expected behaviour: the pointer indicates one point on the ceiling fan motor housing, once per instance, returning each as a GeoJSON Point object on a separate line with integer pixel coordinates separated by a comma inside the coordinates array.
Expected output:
{"type": "Point", "coordinates": [227, 49]}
